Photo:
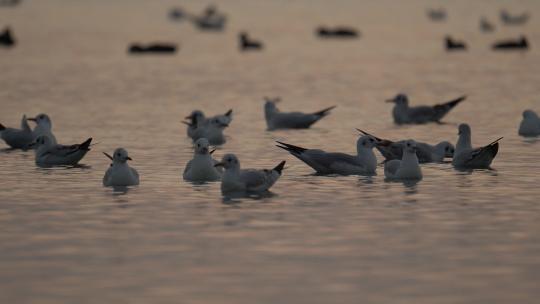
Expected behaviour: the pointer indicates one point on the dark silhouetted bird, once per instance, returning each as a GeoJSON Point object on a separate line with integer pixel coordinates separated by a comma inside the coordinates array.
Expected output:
{"type": "Point", "coordinates": [247, 44]}
{"type": "Point", "coordinates": [337, 32]}
{"type": "Point", "coordinates": [6, 38]}
{"type": "Point", "coordinates": [454, 45]}
{"type": "Point", "coordinates": [511, 44]}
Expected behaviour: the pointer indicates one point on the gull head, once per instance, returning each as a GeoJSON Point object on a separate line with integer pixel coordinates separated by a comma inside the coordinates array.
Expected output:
{"type": "Point", "coordinates": [120, 155]}
{"type": "Point", "coordinates": [201, 146]}
{"type": "Point", "coordinates": [409, 146]}
{"type": "Point", "coordinates": [270, 103]}
{"type": "Point", "coordinates": [445, 148]}
{"type": "Point", "coordinates": [464, 129]}
{"type": "Point", "coordinates": [366, 142]}
{"type": "Point", "coordinates": [42, 120]}
{"type": "Point", "coordinates": [229, 161]}
{"type": "Point", "coordinates": [400, 99]}
{"type": "Point", "coordinates": [196, 116]}
{"type": "Point", "coordinates": [529, 114]}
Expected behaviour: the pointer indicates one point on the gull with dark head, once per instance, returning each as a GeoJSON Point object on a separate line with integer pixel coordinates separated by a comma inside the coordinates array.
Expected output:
{"type": "Point", "coordinates": [17, 138]}
{"type": "Point", "coordinates": [405, 114]}
{"type": "Point", "coordinates": [202, 167]}
{"type": "Point", "coordinates": [467, 157]}
{"type": "Point", "coordinates": [363, 163]}
{"type": "Point", "coordinates": [275, 119]}
{"type": "Point", "coordinates": [120, 174]}
{"type": "Point", "coordinates": [237, 180]}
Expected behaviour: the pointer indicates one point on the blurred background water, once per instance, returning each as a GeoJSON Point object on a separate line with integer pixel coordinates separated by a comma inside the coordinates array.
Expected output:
{"type": "Point", "coordinates": [454, 237]}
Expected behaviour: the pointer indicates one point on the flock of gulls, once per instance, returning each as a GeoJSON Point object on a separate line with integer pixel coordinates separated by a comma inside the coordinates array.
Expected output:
{"type": "Point", "coordinates": [402, 158]}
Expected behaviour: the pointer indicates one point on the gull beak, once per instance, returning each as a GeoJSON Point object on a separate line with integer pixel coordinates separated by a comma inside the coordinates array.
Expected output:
{"type": "Point", "coordinates": [212, 152]}
{"type": "Point", "coordinates": [390, 100]}
{"type": "Point", "coordinates": [31, 119]}
{"type": "Point", "coordinates": [189, 117]}
{"type": "Point", "coordinates": [186, 122]}
{"type": "Point", "coordinates": [224, 125]}
{"type": "Point", "coordinates": [219, 165]}
{"type": "Point", "coordinates": [108, 156]}
{"type": "Point", "coordinates": [129, 158]}
{"type": "Point", "coordinates": [31, 145]}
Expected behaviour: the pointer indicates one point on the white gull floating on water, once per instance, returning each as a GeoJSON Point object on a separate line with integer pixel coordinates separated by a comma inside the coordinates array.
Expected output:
{"type": "Point", "coordinates": [235, 180]}
{"type": "Point", "coordinates": [43, 127]}
{"type": "Point", "coordinates": [202, 167]}
{"type": "Point", "coordinates": [48, 153]}
{"type": "Point", "coordinates": [275, 119]}
{"type": "Point", "coordinates": [364, 163]}
{"type": "Point", "coordinates": [467, 157]}
{"type": "Point", "coordinates": [407, 168]}
{"type": "Point", "coordinates": [17, 138]}
{"type": "Point", "coordinates": [120, 174]}
{"type": "Point", "coordinates": [530, 125]}
{"type": "Point", "coordinates": [405, 114]}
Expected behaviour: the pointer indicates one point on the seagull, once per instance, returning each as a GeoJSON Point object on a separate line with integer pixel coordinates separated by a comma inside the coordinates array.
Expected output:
{"type": "Point", "coordinates": [437, 14]}
{"type": "Point", "coordinates": [213, 132]}
{"type": "Point", "coordinates": [43, 127]}
{"type": "Point", "coordinates": [530, 125]}
{"type": "Point", "coordinates": [17, 138]}
{"type": "Point", "coordinates": [467, 157]}
{"type": "Point", "coordinates": [454, 45]}
{"type": "Point", "coordinates": [407, 167]}
{"type": "Point", "coordinates": [486, 26]}
{"type": "Point", "coordinates": [403, 114]}
{"type": "Point", "coordinates": [426, 153]}
{"type": "Point", "coordinates": [276, 119]}
{"type": "Point", "coordinates": [120, 174]}
{"type": "Point", "coordinates": [197, 118]}
{"type": "Point", "coordinates": [246, 180]}
{"type": "Point", "coordinates": [202, 167]}
{"type": "Point", "coordinates": [364, 163]}
{"type": "Point", "coordinates": [49, 153]}
{"type": "Point", "coordinates": [246, 44]}
{"type": "Point", "coordinates": [514, 20]}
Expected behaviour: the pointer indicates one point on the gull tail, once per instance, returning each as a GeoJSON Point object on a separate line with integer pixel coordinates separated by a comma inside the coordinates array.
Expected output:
{"type": "Point", "coordinates": [228, 112]}
{"type": "Point", "coordinates": [291, 148]}
{"type": "Point", "coordinates": [279, 167]}
{"type": "Point", "coordinates": [492, 148]}
{"type": "Point", "coordinates": [324, 112]}
{"type": "Point", "coordinates": [444, 108]}
{"type": "Point", "coordinates": [2, 128]}
{"type": "Point", "coordinates": [86, 144]}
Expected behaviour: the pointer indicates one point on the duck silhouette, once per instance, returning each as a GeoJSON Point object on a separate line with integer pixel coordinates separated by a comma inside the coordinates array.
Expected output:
{"type": "Point", "coordinates": [247, 44]}
{"type": "Point", "coordinates": [337, 32]}
{"type": "Point", "coordinates": [512, 44]}
{"type": "Point", "coordinates": [162, 48]}
{"type": "Point", "coordinates": [454, 45]}
{"type": "Point", "coordinates": [6, 38]}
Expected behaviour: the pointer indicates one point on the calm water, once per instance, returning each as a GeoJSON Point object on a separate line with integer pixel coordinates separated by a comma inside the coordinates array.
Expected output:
{"type": "Point", "coordinates": [455, 237]}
